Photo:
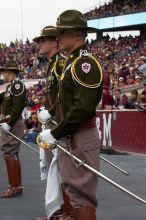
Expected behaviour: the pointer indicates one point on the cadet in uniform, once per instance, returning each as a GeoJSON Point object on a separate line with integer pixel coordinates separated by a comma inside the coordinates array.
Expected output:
{"type": "Point", "coordinates": [80, 91]}
{"type": "Point", "coordinates": [48, 46]}
{"type": "Point", "coordinates": [12, 101]}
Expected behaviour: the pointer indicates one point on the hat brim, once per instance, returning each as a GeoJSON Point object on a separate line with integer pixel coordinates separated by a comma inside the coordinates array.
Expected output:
{"type": "Point", "coordinates": [13, 69]}
{"type": "Point", "coordinates": [36, 39]}
{"type": "Point", "coordinates": [88, 29]}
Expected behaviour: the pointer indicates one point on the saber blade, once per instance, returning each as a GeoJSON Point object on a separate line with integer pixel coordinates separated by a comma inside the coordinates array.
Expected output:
{"type": "Point", "coordinates": [82, 163]}
{"type": "Point", "coordinates": [113, 165]}
{"type": "Point", "coordinates": [23, 142]}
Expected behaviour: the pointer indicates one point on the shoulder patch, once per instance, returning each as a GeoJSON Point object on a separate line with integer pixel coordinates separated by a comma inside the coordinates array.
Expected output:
{"type": "Point", "coordinates": [87, 71]}
{"type": "Point", "coordinates": [17, 88]}
{"type": "Point", "coordinates": [86, 67]}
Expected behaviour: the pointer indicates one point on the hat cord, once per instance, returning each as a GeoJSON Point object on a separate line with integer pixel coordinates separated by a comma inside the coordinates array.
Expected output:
{"type": "Point", "coordinates": [84, 53]}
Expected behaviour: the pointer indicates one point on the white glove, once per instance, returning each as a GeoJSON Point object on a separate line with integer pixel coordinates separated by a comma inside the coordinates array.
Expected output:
{"type": "Point", "coordinates": [46, 137]}
{"type": "Point", "coordinates": [43, 115]}
{"type": "Point", "coordinates": [5, 127]}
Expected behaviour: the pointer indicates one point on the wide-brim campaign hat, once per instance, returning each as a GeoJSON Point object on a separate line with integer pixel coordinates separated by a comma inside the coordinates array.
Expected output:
{"type": "Point", "coordinates": [48, 31]}
{"type": "Point", "coordinates": [10, 65]}
{"type": "Point", "coordinates": [73, 19]}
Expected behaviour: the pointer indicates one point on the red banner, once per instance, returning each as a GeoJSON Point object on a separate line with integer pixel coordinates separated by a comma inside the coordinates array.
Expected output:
{"type": "Point", "coordinates": [123, 130]}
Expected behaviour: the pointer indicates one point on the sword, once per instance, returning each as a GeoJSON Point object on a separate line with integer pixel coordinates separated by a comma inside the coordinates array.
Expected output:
{"type": "Point", "coordinates": [85, 165]}
{"type": "Point", "coordinates": [102, 158]}
{"type": "Point", "coordinates": [113, 165]}
{"type": "Point", "coordinates": [27, 145]}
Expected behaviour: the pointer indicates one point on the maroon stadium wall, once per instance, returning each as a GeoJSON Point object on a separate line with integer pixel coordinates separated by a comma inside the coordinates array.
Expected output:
{"type": "Point", "coordinates": [122, 130]}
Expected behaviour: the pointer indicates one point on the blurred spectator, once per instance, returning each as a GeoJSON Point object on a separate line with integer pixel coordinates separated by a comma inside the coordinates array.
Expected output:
{"type": "Point", "coordinates": [138, 79]}
{"type": "Point", "coordinates": [122, 82]}
{"type": "Point", "coordinates": [106, 77]}
{"type": "Point", "coordinates": [26, 114]}
{"type": "Point", "coordinates": [107, 99]}
{"type": "Point", "coordinates": [32, 129]}
{"type": "Point", "coordinates": [133, 99]}
{"type": "Point", "coordinates": [144, 91]}
{"type": "Point", "coordinates": [124, 72]}
{"type": "Point", "coordinates": [36, 105]}
{"type": "Point", "coordinates": [29, 102]}
{"type": "Point", "coordinates": [120, 100]}
{"type": "Point", "coordinates": [142, 68]}
{"type": "Point", "coordinates": [35, 123]}
{"type": "Point", "coordinates": [131, 80]}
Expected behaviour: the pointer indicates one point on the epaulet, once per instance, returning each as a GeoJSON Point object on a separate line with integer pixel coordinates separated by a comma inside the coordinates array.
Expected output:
{"type": "Point", "coordinates": [87, 71]}
{"type": "Point", "coordinates": [17, 87]}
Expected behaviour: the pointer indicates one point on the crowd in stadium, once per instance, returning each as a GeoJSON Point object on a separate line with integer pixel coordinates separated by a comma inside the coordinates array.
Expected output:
{"type": "Point", "coordinates": [31, 63]}
{"type": "Point", "coordinates": [116, 7]}
{"type": "Point", "coordinates": [120, 58]}
{"type": "Point", "coordinates": [35, 100]}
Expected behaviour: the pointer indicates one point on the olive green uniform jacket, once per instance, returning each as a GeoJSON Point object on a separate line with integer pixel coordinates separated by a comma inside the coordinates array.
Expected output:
{"type": "Point", "coordinates": [54, 70]}
{"type": "Point", "coordinates": [80, 91]}
{"type": "Point", "coordinates": [13, 101]}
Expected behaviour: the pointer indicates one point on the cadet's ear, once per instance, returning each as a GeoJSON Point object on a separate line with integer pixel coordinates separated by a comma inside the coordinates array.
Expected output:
{"type": "Point", "coordinates": [79, 35]}
{"type": "Point", "coordinates": [54, 43]}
